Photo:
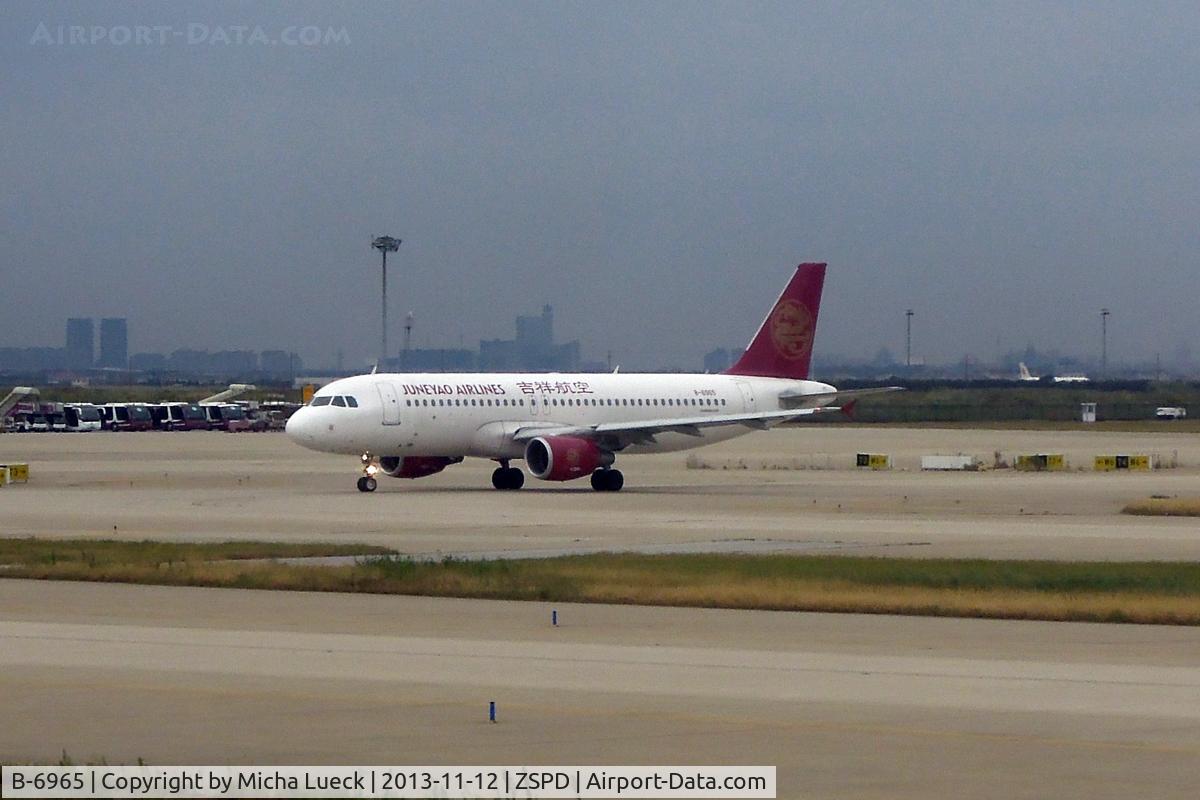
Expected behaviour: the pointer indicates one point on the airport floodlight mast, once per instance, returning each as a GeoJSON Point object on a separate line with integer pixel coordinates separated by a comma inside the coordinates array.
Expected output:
{"type": "Point", "coordinates": [385, 245]}
{"type": "Point", "coordinates": [408, 326]}
{"type": "Point", "coordinates": [908, 315]}
{"type": "Point", "coordinates": [1104, 312]}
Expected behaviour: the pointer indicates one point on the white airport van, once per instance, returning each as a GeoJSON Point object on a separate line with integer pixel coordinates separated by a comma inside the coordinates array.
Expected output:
{"type": "Point", "coordinates": [82, 417]}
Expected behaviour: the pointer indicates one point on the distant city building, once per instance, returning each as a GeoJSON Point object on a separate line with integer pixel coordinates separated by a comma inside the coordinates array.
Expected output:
{"type": "Point", "coordinates": [148, 362]}
{"type": "Point", "coordinates": [434, 360]}
{"type": "Point", "coordinates": [498, 355]}
{"type": "Point", "coordinates": [233, 362]}
{"type": "Point", "coordinates": [81, 343]}
{"type": "Point", "coordinates": [535, 335]}
{"type": "Point", "coordinates": [225, 363]}
{"type": "Point", "coordinates": [280, 363]}
{"type": "Point", "coordinates": [533, 350]}
{"type": "Point", "coordinates": [114, 343]}
{"type": "Point", "coordinates": [189, 361]}
{"type": "Point", "coordinates": [32, 359]}
{"type": "Point", "coordinates": [718, 360]}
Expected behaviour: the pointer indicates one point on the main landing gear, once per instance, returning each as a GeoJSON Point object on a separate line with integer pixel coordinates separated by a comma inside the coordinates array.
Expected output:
{"type": "Point", "coordinates": [607, 480]}
{"type": "Point", "coordinates": [367, 482]}
{"type": "Point", "coordinates": [506, 478]}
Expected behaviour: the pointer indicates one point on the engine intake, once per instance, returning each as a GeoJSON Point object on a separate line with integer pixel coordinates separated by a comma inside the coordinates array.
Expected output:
{"type": "Point", "coordinates": [564, 458]}
{"type": "Point", "coordinates": [415, 466]}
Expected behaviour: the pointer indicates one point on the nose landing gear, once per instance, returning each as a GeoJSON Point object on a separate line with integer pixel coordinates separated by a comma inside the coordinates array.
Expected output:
{"type": "Point", "coordinates": [367, 482]}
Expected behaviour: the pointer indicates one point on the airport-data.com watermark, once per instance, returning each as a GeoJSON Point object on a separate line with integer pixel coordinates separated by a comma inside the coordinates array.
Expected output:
{"type": "Point", "coordinates": [193, 33]}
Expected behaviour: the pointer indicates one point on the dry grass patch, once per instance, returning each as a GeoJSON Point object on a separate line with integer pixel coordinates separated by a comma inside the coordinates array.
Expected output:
{"type": "Point", "coordinates": [1144, 592]}
{"type": "Point", "coordinates": [1164, 507]}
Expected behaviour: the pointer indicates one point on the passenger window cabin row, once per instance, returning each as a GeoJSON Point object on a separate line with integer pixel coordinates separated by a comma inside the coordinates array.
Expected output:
{"type": "Point", "coordinates": [570, 401]}
{"type": "Point", "coordinates": [348, 401]}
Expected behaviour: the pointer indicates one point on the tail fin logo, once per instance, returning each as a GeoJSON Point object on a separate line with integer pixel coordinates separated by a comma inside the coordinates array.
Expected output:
{"type": "Point", "coordinates": [782, 348]}
{"type": "Point", "coordinates": [792, 330]}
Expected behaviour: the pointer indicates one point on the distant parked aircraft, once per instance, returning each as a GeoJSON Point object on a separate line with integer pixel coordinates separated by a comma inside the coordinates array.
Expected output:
{"type": "Point", "coordinates": [1024, 375]}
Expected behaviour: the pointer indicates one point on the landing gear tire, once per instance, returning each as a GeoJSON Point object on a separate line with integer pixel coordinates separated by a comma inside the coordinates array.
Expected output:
{"type": "Point", "coordinates": [516, 478]}
{"type": "Point", "coordinates": [367, 484]}
{"type": "Point", "coordinates": [607, 480]}
{"type": "Point", "coordinates": [508, 478]}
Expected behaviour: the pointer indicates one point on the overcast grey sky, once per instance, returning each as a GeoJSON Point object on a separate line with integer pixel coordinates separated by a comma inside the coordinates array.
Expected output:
{"type": "Point", "coordinates": [652, 170]}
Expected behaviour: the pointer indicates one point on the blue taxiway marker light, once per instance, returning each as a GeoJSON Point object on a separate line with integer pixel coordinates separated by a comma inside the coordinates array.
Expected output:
{"type": "Point", "coordinates": [554, 617]}
{"type": "Point", "coordinates": [491, 711]}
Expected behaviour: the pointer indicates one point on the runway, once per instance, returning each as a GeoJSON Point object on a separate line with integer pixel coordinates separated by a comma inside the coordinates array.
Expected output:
{"type": "Point", "coordinates": [786, 491]}
{"type": "Point", "coordinates": [844, 705]}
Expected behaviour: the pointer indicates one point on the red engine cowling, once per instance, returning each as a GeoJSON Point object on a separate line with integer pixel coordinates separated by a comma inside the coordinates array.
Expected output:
{"type": "Point", "coordinates": [564, 458]}
{"type": "Point", "coordinates": [415, 466]}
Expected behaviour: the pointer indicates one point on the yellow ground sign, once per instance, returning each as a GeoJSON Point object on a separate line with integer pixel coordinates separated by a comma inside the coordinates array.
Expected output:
{"type": "Point", "coordinates": [873, 461]}
{"type": "Point", "coordinates": [1041, 462]}
{"type": "Point", "coordinates": [1111, 463]}
{"type": "Point", "coordinates": [14, 473]}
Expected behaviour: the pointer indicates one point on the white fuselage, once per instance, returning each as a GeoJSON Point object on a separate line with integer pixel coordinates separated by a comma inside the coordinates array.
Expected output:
{"type": "Point", "coordinates": [468, 414]}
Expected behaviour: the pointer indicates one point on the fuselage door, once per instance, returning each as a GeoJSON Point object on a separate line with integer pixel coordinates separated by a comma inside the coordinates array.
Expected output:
{"type": "Point", "coordinates": [390, 402]}
{"type": "Point", "coordinates": [747, 390]}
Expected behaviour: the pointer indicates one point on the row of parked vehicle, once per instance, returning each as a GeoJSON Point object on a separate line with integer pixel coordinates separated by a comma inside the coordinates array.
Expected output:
{"type": "Point", "coordinates": [82, 417]}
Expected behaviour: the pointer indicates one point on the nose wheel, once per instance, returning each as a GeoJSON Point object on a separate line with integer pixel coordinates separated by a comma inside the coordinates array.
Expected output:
{"type": "Point", "coordinates": [607, 480]}
{"type": "Point", "coordinates": [367, 482]}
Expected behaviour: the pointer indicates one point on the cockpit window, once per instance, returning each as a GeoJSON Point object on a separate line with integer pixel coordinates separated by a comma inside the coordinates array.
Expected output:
{"type": "Point", "coordinates": [351, 401]}
{"type": "Point", "coordinates": [339, 401]}
{"type": "Point", "coordinates": [323, 400]}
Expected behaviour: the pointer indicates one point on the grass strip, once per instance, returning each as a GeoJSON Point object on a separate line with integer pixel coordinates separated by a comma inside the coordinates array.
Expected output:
{"type": "Point", "coordinates": [32, 551]}
{"type": "Point", "coordinates": [1141, 592]}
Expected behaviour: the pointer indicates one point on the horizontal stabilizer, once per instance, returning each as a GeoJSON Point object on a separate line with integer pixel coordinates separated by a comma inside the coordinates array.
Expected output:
{"type": "Point", "coordinates": [799, 399]}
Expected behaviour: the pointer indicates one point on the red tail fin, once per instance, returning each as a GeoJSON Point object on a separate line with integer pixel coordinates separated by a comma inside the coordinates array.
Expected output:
{"type": "Point", "coordinates": [782, 348]}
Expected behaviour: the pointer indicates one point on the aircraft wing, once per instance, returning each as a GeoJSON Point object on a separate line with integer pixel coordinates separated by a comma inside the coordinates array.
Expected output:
{"type": "Point", "coordinates": [619, 435]}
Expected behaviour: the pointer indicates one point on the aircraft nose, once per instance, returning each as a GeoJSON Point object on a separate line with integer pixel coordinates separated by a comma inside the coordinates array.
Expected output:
{"type": "Point", "coordinates": [299, 427]}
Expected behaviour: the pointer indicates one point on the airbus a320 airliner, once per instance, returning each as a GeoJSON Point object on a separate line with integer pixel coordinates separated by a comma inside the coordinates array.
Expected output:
{"type": "Point", "coordinates": [569, 426]}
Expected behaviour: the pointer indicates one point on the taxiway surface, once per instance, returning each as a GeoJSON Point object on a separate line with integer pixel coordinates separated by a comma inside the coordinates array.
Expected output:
{"type": "Point", "coordinates": [786, 490]}
{"type": "Point", "coordinates": [844, 705]}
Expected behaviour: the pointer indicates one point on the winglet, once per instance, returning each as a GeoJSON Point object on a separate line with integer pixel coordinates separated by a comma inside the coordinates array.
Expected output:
{"type": "Point", "coordinates": [782, 348]}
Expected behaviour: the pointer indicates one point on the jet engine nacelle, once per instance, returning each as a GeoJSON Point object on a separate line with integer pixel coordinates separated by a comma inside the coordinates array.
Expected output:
{"type": "Point", "coordinates": [564, 458]}
{"type": "Point", "coordinates": [415, 466]}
